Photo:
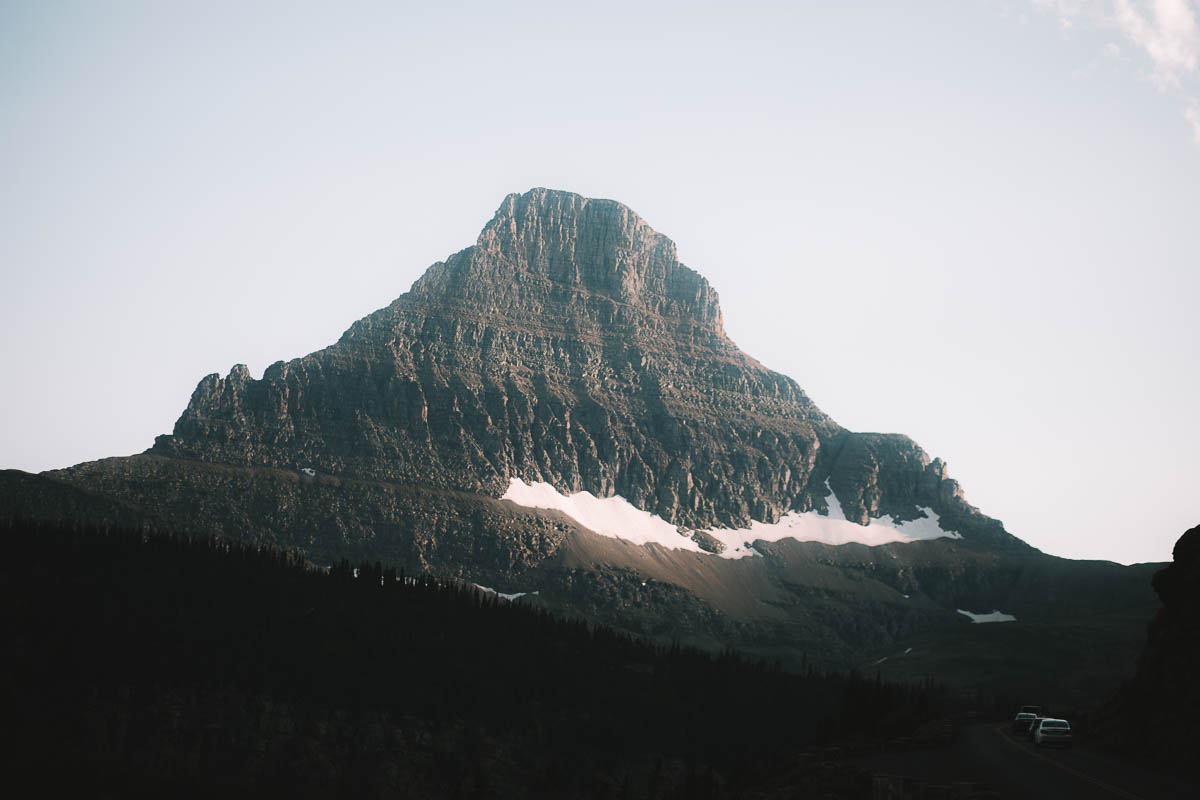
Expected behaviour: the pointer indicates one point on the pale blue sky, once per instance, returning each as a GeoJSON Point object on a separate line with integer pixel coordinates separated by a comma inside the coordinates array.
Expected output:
{"type": "Point", "coordinates": [977, 223]}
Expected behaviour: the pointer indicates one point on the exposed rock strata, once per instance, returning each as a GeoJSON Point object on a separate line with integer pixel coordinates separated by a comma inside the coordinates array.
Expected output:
{"type": "Point", "coordinates": [571, 346]}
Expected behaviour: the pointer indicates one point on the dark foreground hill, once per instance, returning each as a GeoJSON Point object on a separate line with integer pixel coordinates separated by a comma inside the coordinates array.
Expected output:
{"type": "Point", "coordinates": [1159, 710]}
{"type": "Point", "coordinates": [144, 664]}
{"type": "Point", "coordinates": [801, 603]}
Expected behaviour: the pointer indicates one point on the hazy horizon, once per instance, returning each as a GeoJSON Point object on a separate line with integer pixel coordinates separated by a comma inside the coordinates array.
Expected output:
{"type": "Point", "coordinates": [975, 226]}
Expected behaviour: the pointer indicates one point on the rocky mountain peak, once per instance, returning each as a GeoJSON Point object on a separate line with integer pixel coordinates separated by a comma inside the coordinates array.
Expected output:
{"type": "Point", "coordinates": [568, 346]}
{"type": "Point", "coordinates": [598, 247]}
{"type": "Point", "coordinates": [574, 238]}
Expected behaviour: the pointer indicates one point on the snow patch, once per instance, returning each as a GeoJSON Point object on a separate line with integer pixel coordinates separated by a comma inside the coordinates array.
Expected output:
{"type": "Point", "coordinates": [505, 595]}
{"type": "Point", "coordinates": [995, 616]}
{"type": "Point", "coordinates": [617, 518]}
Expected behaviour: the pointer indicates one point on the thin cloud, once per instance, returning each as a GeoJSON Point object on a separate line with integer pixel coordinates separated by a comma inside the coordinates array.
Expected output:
{"type": "Point", "coordinates": [1165, 31]}
{"type": "Point", "coordinates": [1192, 115]}
{"type": "Point", "coordinates": [1071, 12]}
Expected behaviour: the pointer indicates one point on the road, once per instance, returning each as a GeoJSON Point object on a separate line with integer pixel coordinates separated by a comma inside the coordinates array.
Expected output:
{"type": "Point", "coordinates": [987, 753]}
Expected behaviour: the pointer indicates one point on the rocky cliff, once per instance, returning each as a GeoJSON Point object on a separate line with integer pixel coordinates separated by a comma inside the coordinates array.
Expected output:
{"type": "Point", "coordinates": [569, 345]}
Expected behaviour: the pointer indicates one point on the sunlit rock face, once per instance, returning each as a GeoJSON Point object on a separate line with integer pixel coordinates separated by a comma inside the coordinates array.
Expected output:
{"type": "Point", "coordinates": [568, 346]}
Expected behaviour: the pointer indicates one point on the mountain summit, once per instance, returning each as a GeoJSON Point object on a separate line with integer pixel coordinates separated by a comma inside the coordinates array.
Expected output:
{"type": "Point", "coordinates": [599, 248]}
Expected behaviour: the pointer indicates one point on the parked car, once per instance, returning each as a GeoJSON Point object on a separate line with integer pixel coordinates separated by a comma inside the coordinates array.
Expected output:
{"type": "Point", "coordinates": [1022, 722]}
{"type": "Point", "coordinates": [1052, 731]}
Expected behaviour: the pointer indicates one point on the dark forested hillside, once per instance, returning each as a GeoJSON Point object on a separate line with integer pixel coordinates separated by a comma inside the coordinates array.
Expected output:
{"type": "Point", "coordinates": [1159, 710]}
{"type": "Point", "coordinates": [142, 663]}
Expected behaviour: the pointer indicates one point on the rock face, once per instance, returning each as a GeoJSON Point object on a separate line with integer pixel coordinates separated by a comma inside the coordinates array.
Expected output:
{"type": "Point", "coordinates": [568, 345]}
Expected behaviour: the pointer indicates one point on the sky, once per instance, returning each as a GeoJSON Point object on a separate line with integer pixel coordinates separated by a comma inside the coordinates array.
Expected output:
{"type": "Point", "coordinates": [974, 222]}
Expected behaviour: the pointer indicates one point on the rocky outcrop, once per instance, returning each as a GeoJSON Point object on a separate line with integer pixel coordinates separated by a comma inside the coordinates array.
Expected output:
{"type": "Point", "coordinates": [1160, 708]}
{"type": "Point", "coordinates": [568, 345]}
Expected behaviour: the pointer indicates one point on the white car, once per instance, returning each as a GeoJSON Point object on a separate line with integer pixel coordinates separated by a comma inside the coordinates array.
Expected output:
{"type": "Point", "coordinates": [1052, 731]}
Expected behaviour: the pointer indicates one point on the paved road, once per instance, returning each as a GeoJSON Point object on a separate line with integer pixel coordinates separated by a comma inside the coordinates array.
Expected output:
{"type": "Point", "coordinates": [987, 753]}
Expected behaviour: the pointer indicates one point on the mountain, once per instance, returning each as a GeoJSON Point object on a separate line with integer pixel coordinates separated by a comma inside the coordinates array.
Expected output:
{"type": "Point", "coordinates": [569, 351]}
{"type": "Point", "coordinates": [568, 345]}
